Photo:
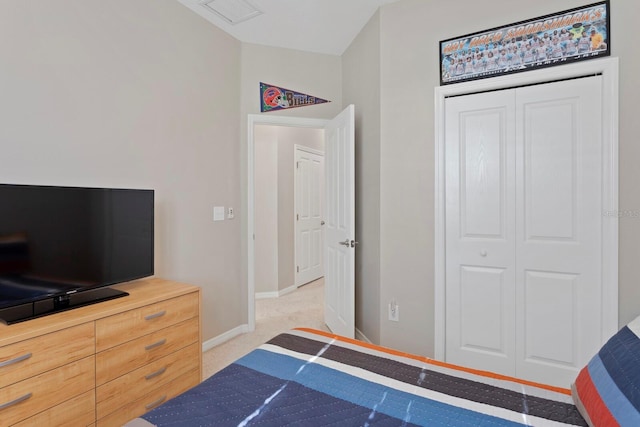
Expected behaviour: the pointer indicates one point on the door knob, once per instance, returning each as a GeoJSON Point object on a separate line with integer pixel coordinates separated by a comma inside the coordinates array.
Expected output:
{"type": "Point", "coordinates": [345, 243]}
{"type": "Point", "coordinates": [483, 253]}
{"type": "Point", "coordinates": [321, 222]}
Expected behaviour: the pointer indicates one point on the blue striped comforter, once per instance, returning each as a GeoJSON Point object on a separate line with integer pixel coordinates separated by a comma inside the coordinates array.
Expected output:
{"type": "Point", "coordinates": [311, 378]}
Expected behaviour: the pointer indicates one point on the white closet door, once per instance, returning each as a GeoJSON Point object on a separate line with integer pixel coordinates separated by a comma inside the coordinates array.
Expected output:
{"type": "Point", "coordinates": [559, 232]}
{"type": "Point", "coordinates": [524, 229]}
{"type": "Point", "coordinates": [480, 234]}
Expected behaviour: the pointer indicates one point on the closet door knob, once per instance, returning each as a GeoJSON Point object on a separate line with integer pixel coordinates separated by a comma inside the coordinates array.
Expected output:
{"type": "Point", "coordinates": [483, 253]}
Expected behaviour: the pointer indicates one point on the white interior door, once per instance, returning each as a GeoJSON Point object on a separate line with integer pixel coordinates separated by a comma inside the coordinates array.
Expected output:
{"type": "Point", "coordinates": [339, 312]}
{"type": "Point", "coordinates": [524, 229]}
{"type": "Point", "coordinates": [309, 230]}
{"type": "Point", "coordinates": [559, 234]}
{"type": "Point", "coordinates": [480, 231]}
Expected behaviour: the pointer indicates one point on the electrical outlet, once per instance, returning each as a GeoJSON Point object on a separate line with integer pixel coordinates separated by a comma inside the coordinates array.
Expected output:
{"type": "Point", "coordinates": [394, 311]}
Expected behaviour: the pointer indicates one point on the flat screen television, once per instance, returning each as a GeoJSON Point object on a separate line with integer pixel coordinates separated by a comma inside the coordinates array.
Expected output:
{"type": "Point", "coordinates": [61, 247]}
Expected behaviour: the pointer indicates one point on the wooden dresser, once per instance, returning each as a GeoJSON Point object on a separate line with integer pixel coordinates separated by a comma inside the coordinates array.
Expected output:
{"type": "Point", "coordinates": [103, 364]}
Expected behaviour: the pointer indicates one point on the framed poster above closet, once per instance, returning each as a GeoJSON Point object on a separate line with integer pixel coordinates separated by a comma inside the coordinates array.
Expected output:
{"type": "Point", "coordinates": [564, 37]}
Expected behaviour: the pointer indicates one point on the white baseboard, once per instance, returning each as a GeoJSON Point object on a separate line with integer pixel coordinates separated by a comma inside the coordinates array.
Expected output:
{"type": "Point", "coordinates": [275, 294]}
{"type": "Point", "coordinates": [243, 329]}
{"type": "Point", "coordinates": [222, 338]}
{"type": "Point", "coordinates": [362, 337]}
{"type": "Point", "coordinates": [266, 295]}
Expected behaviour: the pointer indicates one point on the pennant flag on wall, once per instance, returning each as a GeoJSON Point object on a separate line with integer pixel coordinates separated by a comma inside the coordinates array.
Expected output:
{"type": "Point", "coordinates": [274, 98]}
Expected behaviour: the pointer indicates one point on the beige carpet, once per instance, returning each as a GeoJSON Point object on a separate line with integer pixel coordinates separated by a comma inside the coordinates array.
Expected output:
{"type": "Point", "coordinates": [301, 308]}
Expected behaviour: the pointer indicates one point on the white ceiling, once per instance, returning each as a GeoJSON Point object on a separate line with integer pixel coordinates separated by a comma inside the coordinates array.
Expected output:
{"type": "Point", "coordinates": [320, 26]}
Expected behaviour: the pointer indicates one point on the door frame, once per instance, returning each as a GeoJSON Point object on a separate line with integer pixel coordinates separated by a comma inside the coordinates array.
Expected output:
{"type": "Point", "coordinates": [252, 120]}
{"type": "Point", "coordinates": [608, 68]}
{"type": "Point", "coordinates": [296, 148]}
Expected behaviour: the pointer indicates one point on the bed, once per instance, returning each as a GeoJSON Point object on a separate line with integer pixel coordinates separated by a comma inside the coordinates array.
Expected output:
{"type": "Point", "coordinates": [311, 378]}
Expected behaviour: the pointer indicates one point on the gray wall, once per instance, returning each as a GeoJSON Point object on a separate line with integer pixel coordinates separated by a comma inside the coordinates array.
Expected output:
{"type": "Point", "coordinates": [625, 16]}
{"type": "Point", "coordinates": [409, 34]}
{"type": "Point", "coordinates": [361, 87]}
{"type": "Point", "coordinates": [130, 94]}
{"type": "Point", "coordinates": [266, 208]}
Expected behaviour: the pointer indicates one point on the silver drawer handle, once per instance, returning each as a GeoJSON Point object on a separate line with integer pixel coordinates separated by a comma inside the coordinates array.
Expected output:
{"type": "Point", "coordinates": [156, 315]}
{"type": "Point", "coordinates": [16, 360]}
{"type": "Point", "coordinates": [157, 344]}
{"type": "Point", "coordinates": [15, 402]}
{"type": "Point", "coordinates": [156, 403]}
{"type": "Point", "coordinates": [155, 374]}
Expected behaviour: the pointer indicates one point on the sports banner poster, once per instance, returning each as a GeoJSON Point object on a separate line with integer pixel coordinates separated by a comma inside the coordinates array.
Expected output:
{"type": "Point", "coordinates": [273, 98]}
{"type": "Point", "coordinates": [560, 38]}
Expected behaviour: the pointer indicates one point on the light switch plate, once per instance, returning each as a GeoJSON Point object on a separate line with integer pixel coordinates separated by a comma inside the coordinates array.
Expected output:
{"type": "Point", "coordinates": [218, 213]}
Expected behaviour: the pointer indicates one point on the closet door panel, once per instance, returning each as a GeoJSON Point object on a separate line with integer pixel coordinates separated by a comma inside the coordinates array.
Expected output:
{"type": "Point", "coordinates": [480, 234]}
{"type": "Point", "coordinates": [481, 327]}
{"type": "Point", "coordinates": [559, 223]}
{"type": "Point", "coordinates": [550, 320]}
{"type": "Point", "coordinates": [550, 170]}
{"type": "Point", "coordinates": [482, 174]}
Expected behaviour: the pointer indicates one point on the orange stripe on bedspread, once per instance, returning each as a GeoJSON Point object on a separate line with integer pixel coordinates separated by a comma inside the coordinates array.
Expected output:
{"type": "Point", "coordinates": [436, 362]}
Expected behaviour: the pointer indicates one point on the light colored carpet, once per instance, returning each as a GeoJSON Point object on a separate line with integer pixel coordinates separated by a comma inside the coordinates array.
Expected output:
{"type": "Point", "coordinates": [302, 308]}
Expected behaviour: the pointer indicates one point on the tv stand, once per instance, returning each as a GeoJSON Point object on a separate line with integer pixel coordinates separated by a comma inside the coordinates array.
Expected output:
{"type": "Point", "coordinates": [104, 364]}
{"type": "Point", "coordinates": [52, 305]}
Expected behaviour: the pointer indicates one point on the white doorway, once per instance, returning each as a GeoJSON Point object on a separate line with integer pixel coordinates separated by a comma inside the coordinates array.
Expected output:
{"type": "Point", "coordinates": [309, 211]}
{"type": "Point", "coordinates": [338, 288]}
{"type": "Point", "coordinates": [277, 200]}
{"type": "Point", "coordinates": [526, 273]}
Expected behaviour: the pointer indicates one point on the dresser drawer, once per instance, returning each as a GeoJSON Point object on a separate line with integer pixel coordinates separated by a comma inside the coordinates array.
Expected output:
{"type": "Point", "coordinates": [27, 358]}
{"type": "Point", "coordinates": [120, 328]}
{"type": "Point", "coordinates": [127, 388]}
{"type": "Point", "coordinates": [33, 395]}
{"type": "Point", "coordinates": [131, 355]}
{"type": "Point", "coordinates": [151, 400]}
{"type": "Point", "coordinates": [78, 411]}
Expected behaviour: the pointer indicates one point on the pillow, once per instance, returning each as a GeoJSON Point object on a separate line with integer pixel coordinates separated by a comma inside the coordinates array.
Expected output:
{"type": "Point", "coordinates": [607, 390]}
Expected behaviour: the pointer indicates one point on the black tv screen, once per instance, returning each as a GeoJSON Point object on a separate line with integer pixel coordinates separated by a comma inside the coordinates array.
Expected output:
{"type": "Point", "coordinates": [57, 242]}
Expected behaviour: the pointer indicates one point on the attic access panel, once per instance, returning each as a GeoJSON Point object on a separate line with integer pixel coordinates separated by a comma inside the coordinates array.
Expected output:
{"type": "Point", "coordinates": [232, 11]}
